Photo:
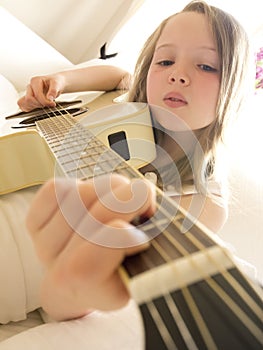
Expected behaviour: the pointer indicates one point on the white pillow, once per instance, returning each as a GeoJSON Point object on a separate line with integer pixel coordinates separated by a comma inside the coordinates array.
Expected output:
{"type": "Point", "coordinates": [20, 269]}
{"type": "Point", "coordinates": [120, 329]}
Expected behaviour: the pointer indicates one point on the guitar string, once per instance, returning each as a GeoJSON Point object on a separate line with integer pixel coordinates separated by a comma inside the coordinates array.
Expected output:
{"type": "Point", "coordinates": [96, 153]}
{"type": "Point", "coordinates": [68, 153]}
{"type": "Point", "coordinates": [202, 247]}
{"type": "Point", "coordinates": [208, 339]}
{"type": "Point", "coordinates": [176, 315]}
{"type": "Point", "coordinates": [231, 280]}
{"type": "Point", "coordinates": [59, 132]}
{"type": "Point", "coordinates": [179, 321]}
{"type": "Point", "coordinates": [217, 288]}
{"type": "Point", "coordinates": [172, 306]}
{"type": "Point", "coordinates": [195, 312]}
{"type": "Point", "coordinates": [162, 329]}
{"type": "Point", "coordinates": [234, 307]}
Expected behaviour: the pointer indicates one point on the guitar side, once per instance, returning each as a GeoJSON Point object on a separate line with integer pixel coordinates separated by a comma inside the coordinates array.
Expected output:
{"type": "Point", "coordinates": [25, 161]}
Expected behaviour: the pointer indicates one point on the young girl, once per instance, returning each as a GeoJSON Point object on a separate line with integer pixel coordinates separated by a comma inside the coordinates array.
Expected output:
{"type": "Point", "coordinates": [193, 66]}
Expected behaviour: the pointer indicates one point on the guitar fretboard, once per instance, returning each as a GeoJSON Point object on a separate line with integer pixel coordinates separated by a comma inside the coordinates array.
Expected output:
{"type": "Point", "coordinates": [190, 293]}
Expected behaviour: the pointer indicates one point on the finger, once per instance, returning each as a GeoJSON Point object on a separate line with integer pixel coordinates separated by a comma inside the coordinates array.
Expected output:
{"type": "Point", "coordinates": [28, 102]}
{"type": "Point", "coordinates": [85, 275]}
{"type": "Point", "coordinates": [40, 86]}
{"type": "Point", "coordinates": [44, 205]}
{"type": "Point", "coordinates": [56, 211]}
{"type": "Point", "coordinates": [82, 195]}
{"type": "Point", "coordinates": [124, 202]}
{"type": "Point", "coordinates": [46, 225]}
{"type": "Point", "coordinates": [53, 90]}
{"type": "Point", "coordinates": [52, 196]}
{"type": "Point", "coordinates": [119, 234]}
{"type": "Point", "coordinates": [97, 266]}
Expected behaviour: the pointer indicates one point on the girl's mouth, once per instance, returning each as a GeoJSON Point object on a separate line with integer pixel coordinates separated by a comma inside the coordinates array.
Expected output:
{"type": "Point", "coordinates": [174, 102]}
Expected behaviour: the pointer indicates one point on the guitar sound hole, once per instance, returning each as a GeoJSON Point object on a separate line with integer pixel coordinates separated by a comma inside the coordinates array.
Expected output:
{"type": "Point", "coordinates": [31, 121]}
{"type": "Point", "coordinates": [118, 142]}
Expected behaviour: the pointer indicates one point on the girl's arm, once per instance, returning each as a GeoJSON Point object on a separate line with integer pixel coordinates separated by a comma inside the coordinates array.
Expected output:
{"type": "Point", "coordinates": [43, 90]}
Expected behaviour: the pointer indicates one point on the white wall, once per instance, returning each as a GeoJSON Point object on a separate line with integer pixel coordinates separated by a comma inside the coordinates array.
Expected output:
{"type": "Point", "coordinates": [24, 54]}
{"type": "Point", "coordinates": [79, 28]}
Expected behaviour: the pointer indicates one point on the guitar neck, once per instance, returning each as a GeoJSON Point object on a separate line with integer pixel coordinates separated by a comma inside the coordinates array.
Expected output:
{"type": "Point", "coordinates": [190, 293]}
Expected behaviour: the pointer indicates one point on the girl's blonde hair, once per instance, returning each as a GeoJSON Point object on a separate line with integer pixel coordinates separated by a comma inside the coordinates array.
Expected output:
{"type": "Point", "coordinates": [232, 46]}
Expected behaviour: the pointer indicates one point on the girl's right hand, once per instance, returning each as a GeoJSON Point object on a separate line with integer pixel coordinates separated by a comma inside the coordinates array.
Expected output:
{"type": "Point", "coordinates": [42, 92]}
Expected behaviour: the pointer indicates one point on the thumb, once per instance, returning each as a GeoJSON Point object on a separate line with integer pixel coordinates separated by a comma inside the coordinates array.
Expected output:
{"type": "Point", "coordinates": [53, 91]}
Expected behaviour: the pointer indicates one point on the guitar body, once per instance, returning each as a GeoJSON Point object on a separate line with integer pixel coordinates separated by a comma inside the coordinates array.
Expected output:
{"type": "Point", "coordinates": [26, 159]}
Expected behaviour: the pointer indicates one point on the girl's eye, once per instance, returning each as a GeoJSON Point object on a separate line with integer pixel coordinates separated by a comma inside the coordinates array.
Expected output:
{"type": "Point", "coordinates": [207, 68]}
{"type": "Point", "coordinates": [165, 63]}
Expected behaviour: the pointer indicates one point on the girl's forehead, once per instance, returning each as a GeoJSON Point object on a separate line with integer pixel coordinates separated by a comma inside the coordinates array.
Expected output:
{"type": "Point", "coordinates": [187, 26]}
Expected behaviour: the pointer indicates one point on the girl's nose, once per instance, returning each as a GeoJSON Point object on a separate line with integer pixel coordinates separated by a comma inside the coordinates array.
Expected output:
{"type": "Point", "coordinates": [178, 77]}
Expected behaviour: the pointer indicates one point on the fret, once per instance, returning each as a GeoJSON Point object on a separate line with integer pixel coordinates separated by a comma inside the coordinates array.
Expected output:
{"type": "Point", "coordinates": [68, 158]}
{"type": "Point", "coordinates": [70, 147]}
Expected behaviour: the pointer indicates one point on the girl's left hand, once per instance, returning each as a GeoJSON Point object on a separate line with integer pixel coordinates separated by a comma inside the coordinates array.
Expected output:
{"type": "Point", "coordinates": [82, 232]}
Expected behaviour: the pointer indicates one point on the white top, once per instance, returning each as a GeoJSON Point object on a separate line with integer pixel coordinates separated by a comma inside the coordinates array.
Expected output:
{"type": "Point", "coordinates": [213, 187]}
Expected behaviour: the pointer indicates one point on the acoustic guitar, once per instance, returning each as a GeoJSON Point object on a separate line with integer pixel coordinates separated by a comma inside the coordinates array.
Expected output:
{"type": "Point", "coordinates": [189, 289]}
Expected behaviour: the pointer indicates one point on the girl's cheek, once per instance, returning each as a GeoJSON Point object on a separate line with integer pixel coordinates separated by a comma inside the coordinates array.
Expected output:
{"type": "Point", "coordinates": [148, 88]}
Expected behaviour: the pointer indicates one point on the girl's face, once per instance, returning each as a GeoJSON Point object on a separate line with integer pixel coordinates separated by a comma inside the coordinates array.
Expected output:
{"type": "Point", "coordinates": [184, 76]}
